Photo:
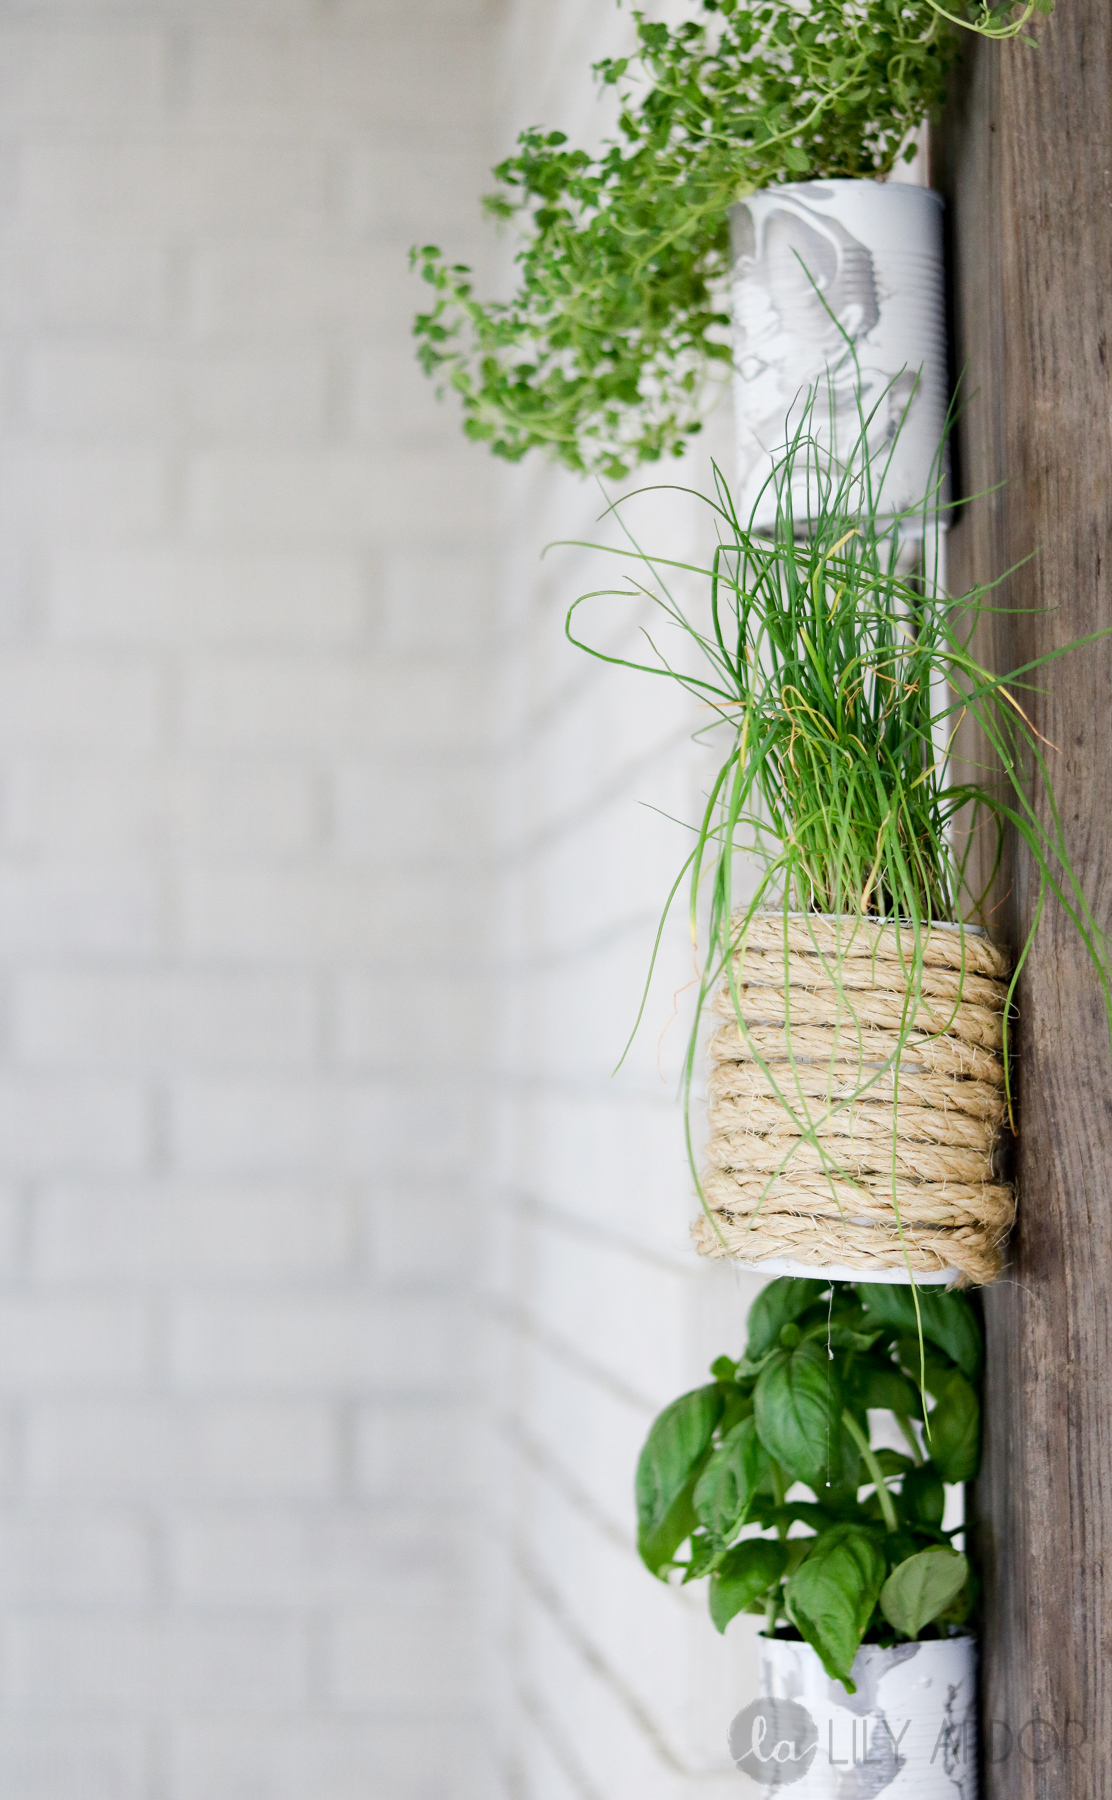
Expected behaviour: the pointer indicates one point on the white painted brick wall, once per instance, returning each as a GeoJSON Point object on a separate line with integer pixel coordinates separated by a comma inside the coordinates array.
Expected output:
{"type": "Point", "coordinates": [611, 1687]}
{"type": "Point", "coordinates": [249, 636]}
{"type": "Point", "coordinates": [246, 623]}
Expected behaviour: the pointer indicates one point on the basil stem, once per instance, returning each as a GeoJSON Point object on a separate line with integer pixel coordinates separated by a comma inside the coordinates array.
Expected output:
{"type": "Point", "coordinates": [868, 1457]}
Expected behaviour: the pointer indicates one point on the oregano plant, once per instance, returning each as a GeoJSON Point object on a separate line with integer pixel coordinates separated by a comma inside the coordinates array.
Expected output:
{"type": "Point", "coordinates": [602, 355]}
{"type": "Point", "coordinates": [765, 1483]}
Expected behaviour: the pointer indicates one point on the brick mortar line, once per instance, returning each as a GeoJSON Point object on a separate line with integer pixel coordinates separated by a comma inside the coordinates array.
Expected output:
{"type": "Point", "coordinates": [602, 939]}
{"type": "Point", "coordinates": [515, 1318]}
{"type": "Point", "coordinates": [589, 1654]}
{"type": "Point", "coordinates": [601, 796]}
{"type": "Point", "coordinates": [541, 1459]}
{"type": "Point", "coordinates": [546, 1725]}
{"type": "Point", "coordinates": [528, 1206]}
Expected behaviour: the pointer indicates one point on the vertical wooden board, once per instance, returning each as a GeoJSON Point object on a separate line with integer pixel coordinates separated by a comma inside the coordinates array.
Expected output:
{"type": "Point", "coordinates": [1026, 162]}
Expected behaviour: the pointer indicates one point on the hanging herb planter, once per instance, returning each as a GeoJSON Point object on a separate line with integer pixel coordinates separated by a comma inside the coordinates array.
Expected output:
{"type": "Point", "coordinates": [909, 1729]}
{"type": "Point", "coordinates": [838, 288]}
{"type": "Point", "coordinates": [601, 356]}
{"type": "Point", "coordinates": [855, 1111]}
{"type": "Point", "coordinates": [868, 1606]}
{"type": "Point", "coordinates": [858, 1081]}
{"type": "Point", "coordinates": [833, 665]}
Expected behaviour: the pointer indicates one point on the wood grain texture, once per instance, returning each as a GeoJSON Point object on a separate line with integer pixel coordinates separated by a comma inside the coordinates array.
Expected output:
{"type": "Point", "coordinates": [1024, 157]}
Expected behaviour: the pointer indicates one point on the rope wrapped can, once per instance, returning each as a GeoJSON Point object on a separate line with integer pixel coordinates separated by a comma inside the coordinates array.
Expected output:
{"type": "Point", "coordinates": [855, 1112]}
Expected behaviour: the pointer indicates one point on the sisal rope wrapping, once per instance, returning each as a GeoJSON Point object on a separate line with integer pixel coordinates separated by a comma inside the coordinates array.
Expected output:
{"type": "Point", "coordinates": [746, 1081]}
{"type": "Point", "coordinates": [952, 1203]}
{"type": "Point", "coordinates": [860, 1050]}
{"type": "Point", "coordinates": [854, 1010]}
{"type": "Point", "coordinates": [855, 935]}
{"type": "Point", "coordinates": [821, 1153]}
{"type": "Point", "coordinates": [768, 968]}
{"type": "Point", "coordinates": [843, 1123]}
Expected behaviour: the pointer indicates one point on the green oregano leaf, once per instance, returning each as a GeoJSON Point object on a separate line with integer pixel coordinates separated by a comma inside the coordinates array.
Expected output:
{"type": "Point", "coordinates": [624, 256]}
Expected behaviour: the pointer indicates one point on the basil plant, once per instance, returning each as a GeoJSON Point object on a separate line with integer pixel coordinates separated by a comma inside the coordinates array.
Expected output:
{"type": "Point", "coordinates": [863, 1555]}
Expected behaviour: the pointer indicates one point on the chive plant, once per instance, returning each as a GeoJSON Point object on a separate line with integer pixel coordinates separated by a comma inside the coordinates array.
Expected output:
{"type": "Point", "coordinates": [835, 671]}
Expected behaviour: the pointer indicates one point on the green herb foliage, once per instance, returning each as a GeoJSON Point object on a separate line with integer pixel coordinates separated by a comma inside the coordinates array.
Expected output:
{"type": "Point", "coordinates": [678, 1447]}
{"type": "Point", "coordinates": [602, 354]}
{"type": "Point", "coordinates": [864, 1557]}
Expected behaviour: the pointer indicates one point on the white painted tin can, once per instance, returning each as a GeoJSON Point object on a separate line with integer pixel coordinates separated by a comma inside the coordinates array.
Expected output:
{"type": "Point", "coordinates": [908, 1733]}
{"type": "Point", "coordinates": [840, 285]}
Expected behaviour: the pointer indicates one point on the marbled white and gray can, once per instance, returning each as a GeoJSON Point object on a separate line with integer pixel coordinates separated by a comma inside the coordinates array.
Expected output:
{"type": "Point", "coordinates": [838, 288]}
{"type": "Point", "coordinates": [908, 1733]}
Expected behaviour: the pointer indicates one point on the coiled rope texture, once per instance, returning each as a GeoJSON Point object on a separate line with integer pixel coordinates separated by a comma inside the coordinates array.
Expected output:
{"type": "Point", "coordinates": [853, 1122]}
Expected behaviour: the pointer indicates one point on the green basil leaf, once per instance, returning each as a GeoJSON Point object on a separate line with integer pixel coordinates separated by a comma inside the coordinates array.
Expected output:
{"type": "Point", "coordinates": [877, 1384]}
{"type": "Point", "coordinates": [667, 1471]}
{"type": "Point", "coordinates": [955, 1431]}
{"type": "Point", "coordinates": [893, 1462]}
{"type": "Point", "coordinates": [922, 1587]}
{"type": "Point", "coordinates": [899, 1545]}
{"type": "Point", "coordinates": [933, 1369]}
{"type": "Point", "coordinates": [745, 1572]}
{"type": "Point", "coordinates": [724, 1368]}
{"type": "Point", "coordinates": [798, 1408]}
{"type": "Point", "coordinates": [844, 1310]}
{"type": "Point", "coordinates": [838, 1486]}
{"type": "Point", "coordinates": [729, 1483]}
{"type": "Point", "coordinates": [706, 1554]}
{"type": "Point", "coordinates": [948, 1320]}
{"type": "Point", "coordinates": [842, 1337]}
{"type": "Point", "coordinates": [778, 1305]}
{"type": "Point", "coordinates": [923, 1497]}
{"type": "Point", "coordinates": [832, 1594]}
{"type": "Point", "coordinates": [738, 1406]}
{"type": "Point", "coordinates": [962, 1607]}
{"type": "Point", "coordinates": [893, 1306]}
{"type": "Point", "coordinates": [747, 1372]}
{"type": "Point", "coordinates": [657, 1546]}
{"type": "Point", "coordinates": [806, 1512]}
{"type": "Point", "coordinates": [840, 1326]}
{"type": "Point", "coordinates": [798, 1550]}
{"type": "Point", "coordinates": [869, 1508]}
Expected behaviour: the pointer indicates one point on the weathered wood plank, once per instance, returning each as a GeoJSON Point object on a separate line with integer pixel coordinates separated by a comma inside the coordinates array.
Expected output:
{"type": "Point", "coordinates": [1025, 157]}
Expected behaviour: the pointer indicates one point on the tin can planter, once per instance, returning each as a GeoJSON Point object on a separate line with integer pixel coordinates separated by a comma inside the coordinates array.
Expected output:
{"type": "Point", "coordinates": [838, 287]}
{"type": "Point", "coordinates": [854, 1125]}
{"type": "Point", "coordinates": [909, 1732]}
